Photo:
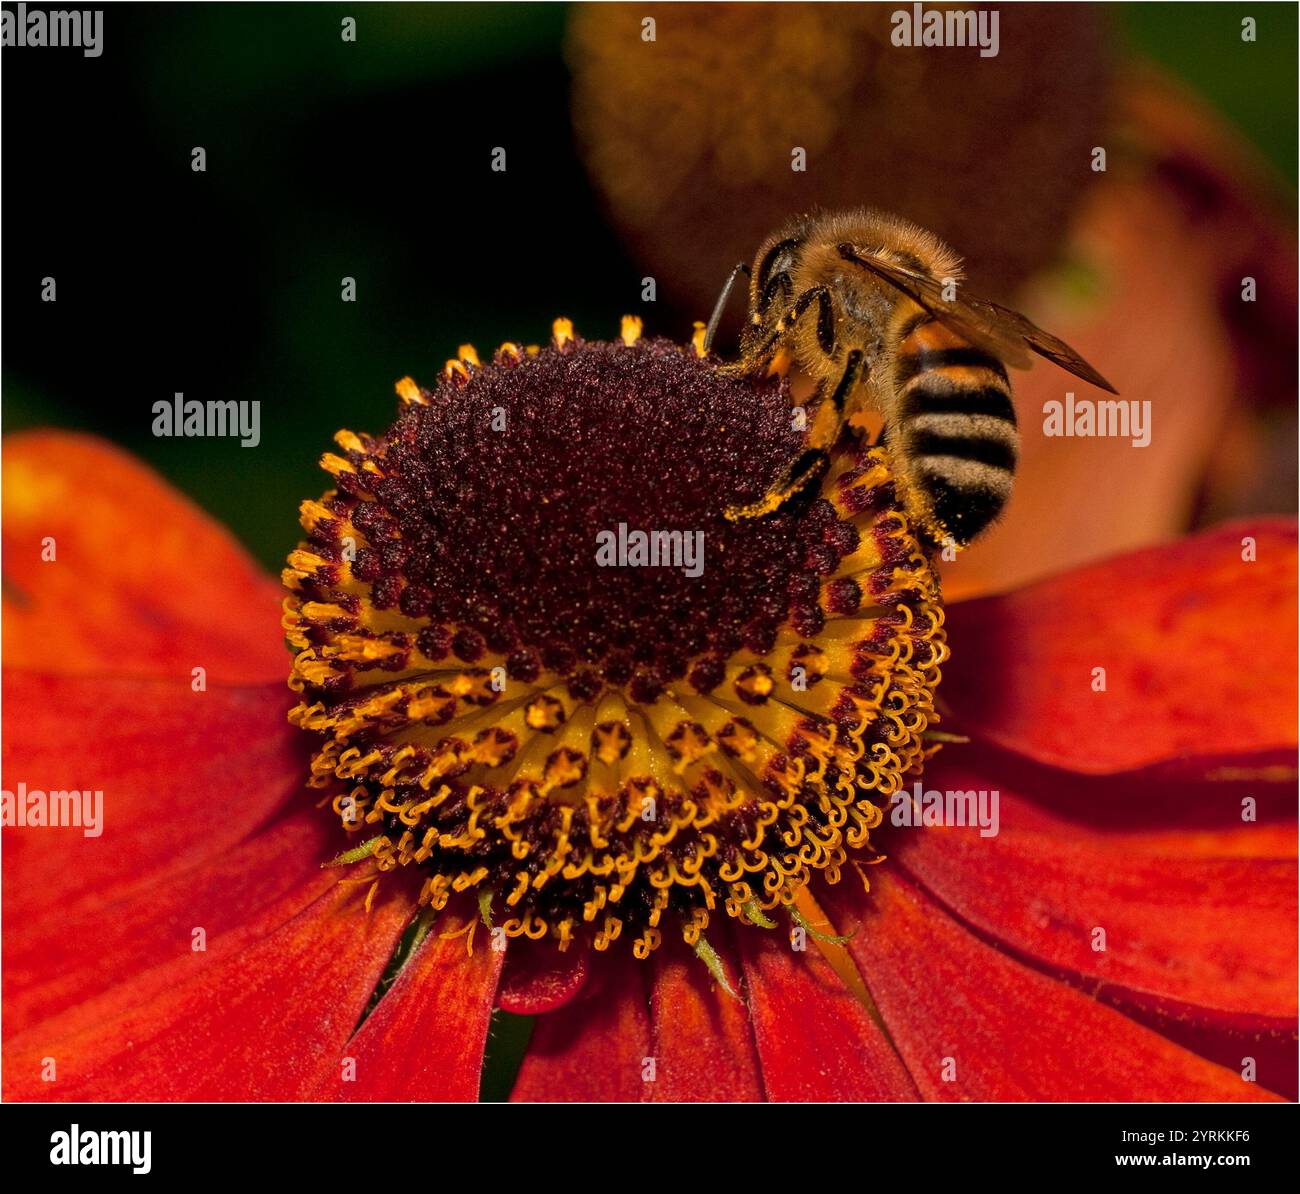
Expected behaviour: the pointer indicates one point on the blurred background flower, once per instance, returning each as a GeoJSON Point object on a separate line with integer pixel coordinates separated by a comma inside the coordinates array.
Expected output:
{"type": "Point", "coordinates": [689, 138]}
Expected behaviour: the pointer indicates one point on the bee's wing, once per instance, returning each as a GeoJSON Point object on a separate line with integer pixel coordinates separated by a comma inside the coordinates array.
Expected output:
{"type": "Point", "coordinates": [1044, 343]}
{"type": "Point", "coordinates": [1002, 331]}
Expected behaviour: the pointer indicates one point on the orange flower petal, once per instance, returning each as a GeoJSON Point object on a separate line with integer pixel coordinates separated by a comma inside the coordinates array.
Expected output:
{"type": "Point", "coordinates": [972, 1023]}
{"type": "Point", "coordinates": [142, 582]}
{"type": "Point", "coordinates": [595, 1048]}
{"type": "Point", "coordinates": [815, 1040]}
{"type": "Point", "coordinates": [1209, 931]}
{"type": "Point", "coordinates": [1198, 648]}
{"type": "Point", "coordinates": [111, 936]}
{"type": "Point", "coordinates": [701, 1038]}
{"type": "Point", "coordinates": [265, 1022]}
{"type": "Point", "coordinates": [425, 1040]}
{"type": "Point", "coordinates": [1161, 803]}
{"type": "Point", "coordinates": [538, 978]}
{"type": "Point", "coordinates": [184, 776]}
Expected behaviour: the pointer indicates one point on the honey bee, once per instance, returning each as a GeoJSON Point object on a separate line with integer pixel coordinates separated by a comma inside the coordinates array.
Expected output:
{"type": "Point", "coordinates": [868, 306]}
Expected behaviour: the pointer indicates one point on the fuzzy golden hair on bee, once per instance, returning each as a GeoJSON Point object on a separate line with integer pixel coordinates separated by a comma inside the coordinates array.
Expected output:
{"type": "Point", "coordinates": [882, 234]}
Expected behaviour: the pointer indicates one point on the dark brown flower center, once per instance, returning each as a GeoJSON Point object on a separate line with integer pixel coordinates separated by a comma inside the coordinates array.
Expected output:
{"type": "Point", "coordinates": [547, 669]}
{"type": "Point", "coordinates": [567, 510]}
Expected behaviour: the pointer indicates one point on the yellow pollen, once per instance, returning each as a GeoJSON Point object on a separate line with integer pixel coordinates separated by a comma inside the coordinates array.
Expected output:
{"type": "Point", "coordinates": [630, 329]}
{"type": "Point", "coordinates": [335, 464]}
{"type": "Point", "coordinates": [409, 392]}
{"type": "Point", "coordinates": [562, 332]}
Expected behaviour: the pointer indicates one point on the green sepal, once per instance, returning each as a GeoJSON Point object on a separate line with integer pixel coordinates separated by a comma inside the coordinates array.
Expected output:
{"type": "Point", "coordinates": [755, 915]}
{"type": "Point", "coordinates": [356, 854]}
{"type": "Point", "coordinates": [709, 956]}
{"type": "Point", "coordinates": [802, 921]}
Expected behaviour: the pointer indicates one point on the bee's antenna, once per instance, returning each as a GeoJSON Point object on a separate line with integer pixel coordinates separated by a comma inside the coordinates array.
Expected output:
{"type": "Point", "coordinates": [720, 305]}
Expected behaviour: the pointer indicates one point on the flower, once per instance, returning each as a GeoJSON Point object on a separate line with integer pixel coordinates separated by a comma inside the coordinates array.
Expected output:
{"type": "Point", "coordinates": [637, 745]}
{"type": "Point", "coordinates": [200, 949]}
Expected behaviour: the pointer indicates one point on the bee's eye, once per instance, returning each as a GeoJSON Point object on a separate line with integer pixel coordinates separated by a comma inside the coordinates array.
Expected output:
{"type": "Point", "coordinates": [779, 259]}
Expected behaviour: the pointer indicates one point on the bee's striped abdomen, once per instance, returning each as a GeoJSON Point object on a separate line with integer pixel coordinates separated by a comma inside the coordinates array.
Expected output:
{"type": "Point", "coordinates": [955, 429]}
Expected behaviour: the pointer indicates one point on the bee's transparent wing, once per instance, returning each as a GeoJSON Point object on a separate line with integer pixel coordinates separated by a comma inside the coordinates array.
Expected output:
{"type": "Point", "coordinates": [1002, 331]}
{"type": "Point", "coordinates": [1045, 344]}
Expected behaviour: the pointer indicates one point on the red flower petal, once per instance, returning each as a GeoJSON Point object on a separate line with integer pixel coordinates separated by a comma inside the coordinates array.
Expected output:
{"type": "Point", "coordinates": [1199, 927]}
{"type": "Point", "coordinates": [1198, 646]}
{"type": "Point", "coordinates": [815, 1040]}
{"type": "Point", "coordinates": [700, 1036]}
{"type": "Point", "coordinates": [109, 937]}
{"type": "Point", "coordinates": [539, 978]}
{"type": "Point", "coordinates": [185, 775]}
{"type": "Point", "coordinates": [1156, 801]}
{"type": "Point", "coordinates": [264, 1022]}
{"type": "Point", "coordinates": [956, 1005]}
{"type": "Point", "coordinates": [593, 1049]}
{"type": "Point", "coordinates": [425, 1040]}
{"type": "Point", "coordinates": [143, 582]}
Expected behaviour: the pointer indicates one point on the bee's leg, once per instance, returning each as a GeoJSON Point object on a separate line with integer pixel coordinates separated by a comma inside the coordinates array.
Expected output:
{"type": "Point", "coordinates": [810, 462]}
{"type": "Point", "coordinates": [757, 350]}
{"type": "Point", "coordinates": [756, 354]}
{"type": "Point", "coordinates": [822, 435]}
{"type": "Point", "coordinates": [855, 370]}
{"type": "Point", "coordinates": [721, 304]}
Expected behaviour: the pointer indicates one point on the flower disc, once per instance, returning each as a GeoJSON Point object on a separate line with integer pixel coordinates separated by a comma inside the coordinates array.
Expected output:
{"type": "Point", "coordinates": [549, 669]}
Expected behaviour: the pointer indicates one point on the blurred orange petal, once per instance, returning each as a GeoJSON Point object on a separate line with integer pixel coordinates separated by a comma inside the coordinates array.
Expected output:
{"type": "Point", "coordinates": [110, 569]}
